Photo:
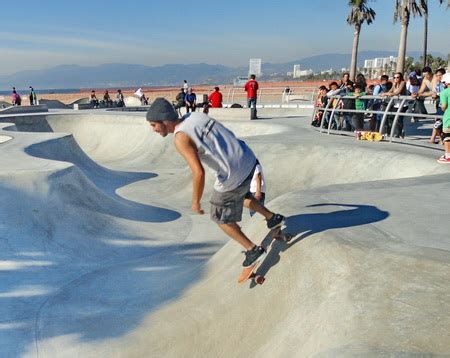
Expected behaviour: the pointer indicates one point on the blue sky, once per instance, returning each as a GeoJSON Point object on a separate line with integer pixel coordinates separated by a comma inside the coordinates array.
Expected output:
{"type": "Point", "coordinates": [43, 34]}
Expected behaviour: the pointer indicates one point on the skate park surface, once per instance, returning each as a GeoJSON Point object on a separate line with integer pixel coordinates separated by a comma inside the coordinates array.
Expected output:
{"type": "Point", "coordinates": [102, 257]}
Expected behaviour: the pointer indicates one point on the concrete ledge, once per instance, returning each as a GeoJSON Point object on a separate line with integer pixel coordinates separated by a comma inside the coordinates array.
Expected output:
{"type": "Point", "coordinates": [277, 111]}
{"type": "Point", "coordinates": [4, 138]}
{"type": "Point", "coordinates": [24, 109]}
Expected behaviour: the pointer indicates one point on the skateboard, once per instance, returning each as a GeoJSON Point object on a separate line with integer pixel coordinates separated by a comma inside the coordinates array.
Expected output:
{"type": "Point", "coordinates": [250, 272]}
{"type": "Point", "coordinates": [370, 136]}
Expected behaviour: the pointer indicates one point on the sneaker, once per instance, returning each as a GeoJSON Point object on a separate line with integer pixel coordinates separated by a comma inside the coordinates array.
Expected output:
{"type": "Point", "coordinates": [275, 221]}
{"type": "Point", "coordinates": [443, 160]}
{"type": "Point", "coordinates": [253, 255]}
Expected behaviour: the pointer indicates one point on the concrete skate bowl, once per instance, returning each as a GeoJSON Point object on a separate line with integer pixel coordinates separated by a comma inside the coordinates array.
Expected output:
{"type": "Point", "coordinates": [350, 283]}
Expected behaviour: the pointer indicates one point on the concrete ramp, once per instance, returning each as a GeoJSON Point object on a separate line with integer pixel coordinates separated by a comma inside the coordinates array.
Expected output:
{"type": "Point", "coordinates": [54, 104]}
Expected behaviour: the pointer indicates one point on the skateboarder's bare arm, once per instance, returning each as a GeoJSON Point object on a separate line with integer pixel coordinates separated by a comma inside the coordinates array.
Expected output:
{"type": "Point", "coordinates": [187, 148]}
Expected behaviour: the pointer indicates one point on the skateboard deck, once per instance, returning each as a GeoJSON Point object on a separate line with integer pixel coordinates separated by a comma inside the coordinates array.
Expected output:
{"type": "Point", "coordinates": [249, 272]}
{"type": "Point", "coordinates": [370, 136]}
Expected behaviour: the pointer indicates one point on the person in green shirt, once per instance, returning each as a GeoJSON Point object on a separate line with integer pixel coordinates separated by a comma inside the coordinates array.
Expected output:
{"type": "Point", "coordinates": [445, 100]}
{"type": "Point", "coordinates": [358, 118]}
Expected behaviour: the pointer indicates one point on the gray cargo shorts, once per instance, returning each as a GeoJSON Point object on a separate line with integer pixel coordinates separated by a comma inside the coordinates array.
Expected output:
{"type": "Point", "coordinates": [227, 207]}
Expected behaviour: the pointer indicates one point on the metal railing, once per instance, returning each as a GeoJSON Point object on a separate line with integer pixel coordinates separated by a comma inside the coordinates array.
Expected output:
{"type": "Point", "coordinates": [271, 95]}
{"type": "Point", "coordinates": [399, 103]}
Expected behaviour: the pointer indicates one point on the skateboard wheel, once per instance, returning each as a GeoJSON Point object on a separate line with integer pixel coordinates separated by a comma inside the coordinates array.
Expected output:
{"type": "Point", "coordinates": [287, 237]}
{"type": "Point", "coordinates": [259, 279]}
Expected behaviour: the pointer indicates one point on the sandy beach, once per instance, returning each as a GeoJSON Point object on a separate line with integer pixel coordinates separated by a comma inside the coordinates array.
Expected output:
{"type": "Point", "coordinates": [153, 92]}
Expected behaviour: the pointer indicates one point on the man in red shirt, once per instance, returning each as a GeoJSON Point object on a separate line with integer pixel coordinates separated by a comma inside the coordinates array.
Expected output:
{"type": "Point", "coordinates": [215, 98]}
{"type": "Point", "coordinates": [251, 87]}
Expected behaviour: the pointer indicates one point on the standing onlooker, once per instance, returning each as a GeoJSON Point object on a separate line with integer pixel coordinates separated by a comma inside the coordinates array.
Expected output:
{"type": "Point", "coordinates": [16, 99]}
{"type": "Point", "coordinates": [445, 102]}
{"type": "Point", "coordinates": [398, 89]}
{"type": "Point", "coordinates": [425, 90]}
{"type": "Point", "coordinates": [32, 96]}
{"type": "Point", "coordinates": [120, 101]}
{"type": "Point", "coordinates": [190, 100]}
{"type": "Point", "coordinates": [258, 186]}
{"type": "Point", "coordinates": [185, 86]}
{"type": "Point", "coordinates": [251, 87]}
{"type": "Point", "coordinates": [358, 118]}
{"type": "Point", "coordinates": [321, 102]}
{"type": "Point", "coordinates": [215, 98]}
{"type": "Point", "coordinates": [361, 81]}
{"type": "Point", "coordinates": [344, 80]}
{"type": "Point", "coordinates": [375, 104]}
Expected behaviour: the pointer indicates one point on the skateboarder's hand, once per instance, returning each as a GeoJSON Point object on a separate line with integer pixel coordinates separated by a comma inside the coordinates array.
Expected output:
{"type": "Point", "coordinates": [196, 208]}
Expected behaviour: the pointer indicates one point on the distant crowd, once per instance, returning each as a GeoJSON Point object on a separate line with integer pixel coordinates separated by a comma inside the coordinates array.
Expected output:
{"type": "Point", "coordinates": [420, 85]}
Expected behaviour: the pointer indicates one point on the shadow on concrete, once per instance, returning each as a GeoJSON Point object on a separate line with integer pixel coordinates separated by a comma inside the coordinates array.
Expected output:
{"type": "Point", "coordinates": [66, 149]}
{"type": "Point", "coordinates": [303, 225]}
{"type": "Point", "coordinates": [44, 294]}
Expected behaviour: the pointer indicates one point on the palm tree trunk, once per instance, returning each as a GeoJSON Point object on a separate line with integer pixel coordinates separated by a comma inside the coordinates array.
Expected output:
{"type": "Point", "coordinates": [354, 62]}
{"type": "Point", "coordinates": [402, 47]}
{"type": "Point", "coordinates": [425, 39]}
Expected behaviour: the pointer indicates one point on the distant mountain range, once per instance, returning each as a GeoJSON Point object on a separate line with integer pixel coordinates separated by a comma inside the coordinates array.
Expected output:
{"type": "Point", "coordinates": [129, 75]}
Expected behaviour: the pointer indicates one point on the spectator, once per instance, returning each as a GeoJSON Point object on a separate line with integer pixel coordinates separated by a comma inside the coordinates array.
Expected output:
{"type": "Point", "coordinates": [361, 81]}
{"type": "Point", "coordinates": [185, 86]}
{"type": "Point", "coordinates": [107, 99]}
{"type": "Point", "coordinates": [286, 94]}
{"type": "Point", "coordinates": [425, 90]}
{"type": "Point", "coordinates": [445, 102]}
{"type": "Point", "coordinates": [346, 121]}
{"type": "Point", "coordinates": [32, 96]}
{"type": "Point", "coordinates": [179, 100]}
{"type": "Point", "coordinates": [439, 86]}
{"type": "Point", "coordinates": [258, 186]}
{"type": "Point", "coordinates": [321, 102]}
{"type": "Point", "coordinates": [375, 104]}
{"type": "Point", "coordinates": [358, 118]}
{"type": "Point", "coordinates": [120, 101]}
{"type": "Point", "coordinates": [413, 84]}
{"type": "Point", "coordinates": [16, 99]}
{"type": "Point", "coordinates": [190, 100]}
{"type": "Point", "coordinates": [215, 98]}
{"type": "Point", "coordinates": [398, 89]}
{"type": "Point", "coordinates": [344, 80]}
{"type": "Point", "coordinates": [251, 87]}
{"type": "Point", "coordinates": [144, 100]}
{"type": "Point", "coordinates": [93, 99]}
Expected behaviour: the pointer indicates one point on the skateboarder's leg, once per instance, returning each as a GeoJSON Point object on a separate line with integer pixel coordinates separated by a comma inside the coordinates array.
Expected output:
{"type": "Point", "coordinates": [234, 231]}
{"type": "Point", "coordinates": [251, 203]}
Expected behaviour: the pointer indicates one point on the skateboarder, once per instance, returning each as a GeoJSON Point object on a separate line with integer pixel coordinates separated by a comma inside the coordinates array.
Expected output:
{"type": "Point", "coordinates": [200, 139]}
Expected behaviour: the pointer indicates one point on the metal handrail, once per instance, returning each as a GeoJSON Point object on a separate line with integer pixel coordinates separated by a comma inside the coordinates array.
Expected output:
{"type": "Point", "coordinates": [402, 100]}
{"type": "Point", "coordinates": [267, 92]}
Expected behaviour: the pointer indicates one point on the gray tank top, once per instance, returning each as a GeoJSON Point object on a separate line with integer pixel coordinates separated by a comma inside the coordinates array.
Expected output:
{"type": "Point", "coordinates": [219, 149]}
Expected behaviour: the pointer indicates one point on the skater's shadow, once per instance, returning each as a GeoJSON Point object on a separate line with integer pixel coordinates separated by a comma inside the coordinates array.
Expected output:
{"type": "Point", "coordinates": [303, 225]}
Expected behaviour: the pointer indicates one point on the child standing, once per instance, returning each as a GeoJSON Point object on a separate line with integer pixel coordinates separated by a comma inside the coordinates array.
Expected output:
{"type": "Point", "coordinates": [258, 186]}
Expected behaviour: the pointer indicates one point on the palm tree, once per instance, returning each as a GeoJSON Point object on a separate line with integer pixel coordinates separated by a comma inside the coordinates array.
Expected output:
{"type": "Point", "coordinates": [359, 14]}
{"type": "Point", "coordinates": [425, 29]}
{"type": "Point", "coordinates": [403, 11]}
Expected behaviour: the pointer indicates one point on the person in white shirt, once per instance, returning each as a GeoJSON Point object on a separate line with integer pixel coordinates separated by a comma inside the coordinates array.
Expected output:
{"type": "Point", "coordinates": [258, 186]}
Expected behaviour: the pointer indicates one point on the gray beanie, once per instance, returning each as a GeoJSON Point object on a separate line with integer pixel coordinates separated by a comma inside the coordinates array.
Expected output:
{"type": "Point", "coordinates": [161, 110]}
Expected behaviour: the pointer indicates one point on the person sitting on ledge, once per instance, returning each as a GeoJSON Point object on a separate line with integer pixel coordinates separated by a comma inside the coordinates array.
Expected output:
{"type": "Point", "coordinates": [93, 99]}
